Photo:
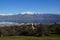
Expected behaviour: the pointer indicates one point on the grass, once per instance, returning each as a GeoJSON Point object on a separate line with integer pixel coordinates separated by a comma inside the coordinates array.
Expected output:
{"type": "Point", "coordinates": [28, 38]}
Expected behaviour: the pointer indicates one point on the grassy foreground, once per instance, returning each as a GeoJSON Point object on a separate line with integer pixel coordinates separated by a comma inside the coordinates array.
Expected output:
{"type": "Point", "coordinates": [28, 38]}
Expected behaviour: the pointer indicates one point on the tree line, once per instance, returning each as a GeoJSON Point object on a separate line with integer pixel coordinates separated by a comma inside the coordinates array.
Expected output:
{"type": "Point", "coordinates": [30, 30]}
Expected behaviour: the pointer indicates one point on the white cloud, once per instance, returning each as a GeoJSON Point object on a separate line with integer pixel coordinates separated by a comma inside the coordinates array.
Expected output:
{"type": "Point", "coordinates": [6, 14]}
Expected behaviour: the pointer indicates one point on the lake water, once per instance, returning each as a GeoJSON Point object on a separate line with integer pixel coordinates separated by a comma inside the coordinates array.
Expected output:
{"type": "Point", "coordinates": [7, 23]}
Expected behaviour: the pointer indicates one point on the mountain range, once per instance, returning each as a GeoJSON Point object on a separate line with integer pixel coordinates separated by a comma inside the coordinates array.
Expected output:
{"type": "Point", "coordinates": [31, 18]}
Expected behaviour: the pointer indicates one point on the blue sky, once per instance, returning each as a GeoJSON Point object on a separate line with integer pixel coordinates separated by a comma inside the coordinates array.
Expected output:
{"type": "Point", "coordinates": [17, 6]}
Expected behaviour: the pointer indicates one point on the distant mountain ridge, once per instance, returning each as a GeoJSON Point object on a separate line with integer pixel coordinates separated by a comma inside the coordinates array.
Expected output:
{"type": "Point", "coordinates": [29, 18]}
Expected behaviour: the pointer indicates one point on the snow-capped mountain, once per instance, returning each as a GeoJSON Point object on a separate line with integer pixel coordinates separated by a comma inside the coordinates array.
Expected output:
{"type": "Point", "coordinates": [30, 13]}
{"type": "Point", "coordinates": [27, 17]}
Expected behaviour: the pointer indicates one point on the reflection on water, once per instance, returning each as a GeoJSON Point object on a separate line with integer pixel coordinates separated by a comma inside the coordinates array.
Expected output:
{"type": "Point", "coordinates": [7, 23]}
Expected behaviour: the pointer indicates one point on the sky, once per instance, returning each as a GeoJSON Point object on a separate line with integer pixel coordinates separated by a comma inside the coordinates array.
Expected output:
{"type": "Point", "coordinates": [18, 6]}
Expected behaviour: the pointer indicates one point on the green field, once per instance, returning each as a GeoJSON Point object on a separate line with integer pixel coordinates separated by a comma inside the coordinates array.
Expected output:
{"type": "Point", "coordinates": [28, 38]}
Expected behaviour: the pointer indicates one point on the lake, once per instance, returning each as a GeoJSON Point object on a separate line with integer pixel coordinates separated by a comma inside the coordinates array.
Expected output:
{"type": "Point", "coordinates": [7, 23]}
